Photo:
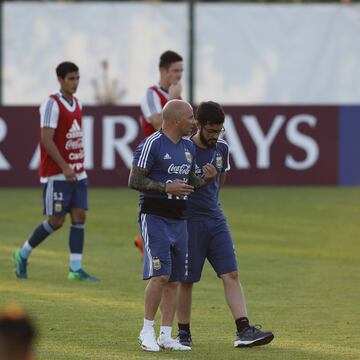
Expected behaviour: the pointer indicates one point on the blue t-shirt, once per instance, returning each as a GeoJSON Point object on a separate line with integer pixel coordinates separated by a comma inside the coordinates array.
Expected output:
{"type": "Point", "coordinates": [166, 161]}
{"type": "Point", "coordinates": [204, 203]}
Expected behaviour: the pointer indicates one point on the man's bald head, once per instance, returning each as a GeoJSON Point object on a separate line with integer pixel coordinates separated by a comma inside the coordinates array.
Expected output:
{"type": "Point", "coordinates": [178, 118]}
{"type": "Point", "coordinates": [175, 110]}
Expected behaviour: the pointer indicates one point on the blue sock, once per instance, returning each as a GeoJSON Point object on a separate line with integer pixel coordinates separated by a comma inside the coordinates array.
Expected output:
{"type": "Point", "coordinates": [36, 238]}
{"type": "Point", "coordinates": [76, 244]}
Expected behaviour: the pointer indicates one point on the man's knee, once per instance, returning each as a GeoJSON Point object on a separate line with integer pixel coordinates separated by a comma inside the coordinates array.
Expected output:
{"type": "Point", "coordinates": [56, 222]}
{"type": "Point", "coordinates": [78, 216]}
{"type": "Point", "coordinates": [231, 276]}
{"type": "Point", "coordinates": [160, 280]}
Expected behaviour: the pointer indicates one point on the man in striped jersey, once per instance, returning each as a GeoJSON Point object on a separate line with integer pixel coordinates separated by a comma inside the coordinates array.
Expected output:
{"type": "Point", "coordinates": [209, 234]}
{"type": "Point", "coordinates": [168, 88]}
{"type": "Point", "coordinates": [62, 173]}
{"type": "Point", "coordinates": [164, 173]}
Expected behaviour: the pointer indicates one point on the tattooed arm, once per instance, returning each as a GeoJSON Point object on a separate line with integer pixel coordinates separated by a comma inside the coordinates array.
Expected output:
{"type": "Point", "coordinates": [139, 180]}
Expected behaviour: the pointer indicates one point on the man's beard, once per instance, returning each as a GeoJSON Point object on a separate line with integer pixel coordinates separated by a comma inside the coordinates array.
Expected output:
{"type": "Point", "coordinates": [205, 142]}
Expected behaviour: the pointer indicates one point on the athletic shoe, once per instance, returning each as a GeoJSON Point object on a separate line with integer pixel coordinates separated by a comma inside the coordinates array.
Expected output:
{"type": "Point", "coordinates": [184, 338]}
{"type": "Point", "coordinates": [20, 265]}
{"type": "Point", "coordinates": [171, 344]}
{"type": "Point", "coordinates": [252, 336]}
{"type": "Point", "coordinates": [81, 275]}
{"type": "Point", "coordinates": [147, 341]}
{"type": "Point", "coordinates": [138, 244]}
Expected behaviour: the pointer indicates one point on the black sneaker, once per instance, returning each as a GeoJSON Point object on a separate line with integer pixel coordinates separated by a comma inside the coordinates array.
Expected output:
{"type": "Point", "coordinates": [184, 338]}
{"type": "Point", "coordinates": [252, 336]}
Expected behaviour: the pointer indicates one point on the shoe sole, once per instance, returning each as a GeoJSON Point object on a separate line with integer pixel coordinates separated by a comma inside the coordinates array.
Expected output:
{"type": "Point", "coordinates": [184, 348]}
{"type": "Point", "coordinates": [173, 349]}
{"type": "Point", "coordinates": [146, 348]}
{"type": "Point", "coordinates": [259, 342]}
{"type": "Point", "coordinates": [88, 280]}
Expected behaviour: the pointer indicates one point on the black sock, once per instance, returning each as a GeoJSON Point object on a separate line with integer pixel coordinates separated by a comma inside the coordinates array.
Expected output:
{"type": "Point", "coordinates": [242, 323]}
{"type": "Point", "coordinates": [184, 327]}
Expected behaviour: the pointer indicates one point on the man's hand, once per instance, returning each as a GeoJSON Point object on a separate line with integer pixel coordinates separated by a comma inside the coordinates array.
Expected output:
{"type": "Point", "coordinates": [209, 172]}
{"type": "Point", "coordinates": [175, 91]}
{"type": "Point", "coordinates": [69, 173]}
{"type": "Point", "coordinates": [178, 188]}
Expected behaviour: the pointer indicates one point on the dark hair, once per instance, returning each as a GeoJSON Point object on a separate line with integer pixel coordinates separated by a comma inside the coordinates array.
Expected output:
{"type": "Point", "coordinates": [17, 331]}
{"type": "Point", "coordinates": [169, 57]}
{"type": "Point", "coordinates": [210, 112]}
{"type": "Point", "coordinates": [64, 68]}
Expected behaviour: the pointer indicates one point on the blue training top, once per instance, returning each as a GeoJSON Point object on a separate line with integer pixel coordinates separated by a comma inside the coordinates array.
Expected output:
{"type": "Point", "coordinates": [204, 203]}
{"type": "Point", "coordinates": [166, 162]}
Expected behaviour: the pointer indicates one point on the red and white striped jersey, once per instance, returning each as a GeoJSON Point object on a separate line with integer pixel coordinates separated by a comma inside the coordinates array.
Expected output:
{"type": "Point", "coordinates": [66, 119]}
{"type": "Point", "coordinates": [153, 103]}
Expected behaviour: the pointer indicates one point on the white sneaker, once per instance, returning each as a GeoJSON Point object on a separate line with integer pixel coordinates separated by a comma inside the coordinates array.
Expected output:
{"type": "Point", "coordinates": [171, 344]}
{"type": "Point", "coordinates": [147, 341]}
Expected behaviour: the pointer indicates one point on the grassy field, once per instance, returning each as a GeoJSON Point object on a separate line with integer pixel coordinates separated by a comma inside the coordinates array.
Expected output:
{"type": "Point", "coordinates": [299, 260]}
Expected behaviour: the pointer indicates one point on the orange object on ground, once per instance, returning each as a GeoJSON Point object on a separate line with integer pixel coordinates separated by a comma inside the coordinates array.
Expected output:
{"type": "Point", "coordinates": [138, 244]}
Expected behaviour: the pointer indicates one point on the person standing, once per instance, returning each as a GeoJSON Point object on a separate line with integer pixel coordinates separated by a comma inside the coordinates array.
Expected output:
{"type": "Point", "coordinates": [209, 234]}
{"type": "Point", "coordinates": [163, 171]}
{"type": "Point", "coordinates": [168, 88]}
{"type": "Point", "coordinates": [62, 173]}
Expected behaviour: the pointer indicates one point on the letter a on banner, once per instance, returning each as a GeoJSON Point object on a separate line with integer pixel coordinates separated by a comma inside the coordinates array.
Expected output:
{"type": "Point", "coordinates": [35, 160]}
{"type": "Point", "coordinates": [4, 164]}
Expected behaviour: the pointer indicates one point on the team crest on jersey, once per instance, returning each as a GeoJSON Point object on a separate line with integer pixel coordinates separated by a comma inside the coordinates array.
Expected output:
{"type": "Point", "coordinates": [188, 156]}
{"type": "Point", "coordinates": [219, 161]}
{"type": "Point", "coordinates": [58, 207]}
{"type": "Point", "coordinates": [156, 263]}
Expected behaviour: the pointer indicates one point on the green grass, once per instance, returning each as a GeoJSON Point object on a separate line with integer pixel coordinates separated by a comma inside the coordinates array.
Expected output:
{"type": "Point", "coordinates": [299, 257]}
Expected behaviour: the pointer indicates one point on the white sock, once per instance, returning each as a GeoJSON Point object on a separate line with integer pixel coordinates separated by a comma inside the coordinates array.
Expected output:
{"type": "Point", "coordinates": [26, 250]}
{"type": "Point", "coordinates": [148, 325]}
{"type": "Point", "coordinates": [165, 332]}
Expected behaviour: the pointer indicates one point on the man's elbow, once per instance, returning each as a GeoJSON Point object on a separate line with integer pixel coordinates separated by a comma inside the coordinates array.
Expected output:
{"type": "Point", "coordinates": [131, 183]}
{"type": "Point", "coordinates": [45, 142]}
{"type": "Point", "coordinates": [45, 139]}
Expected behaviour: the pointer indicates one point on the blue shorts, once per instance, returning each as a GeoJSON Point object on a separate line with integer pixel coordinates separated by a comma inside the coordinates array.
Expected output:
{"type": "Point", "coordinates": [211, 239]}
{"type": "Point", "coordinates": [165, 246]}
{"type": "Point", "coordinates": [61, 196]}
